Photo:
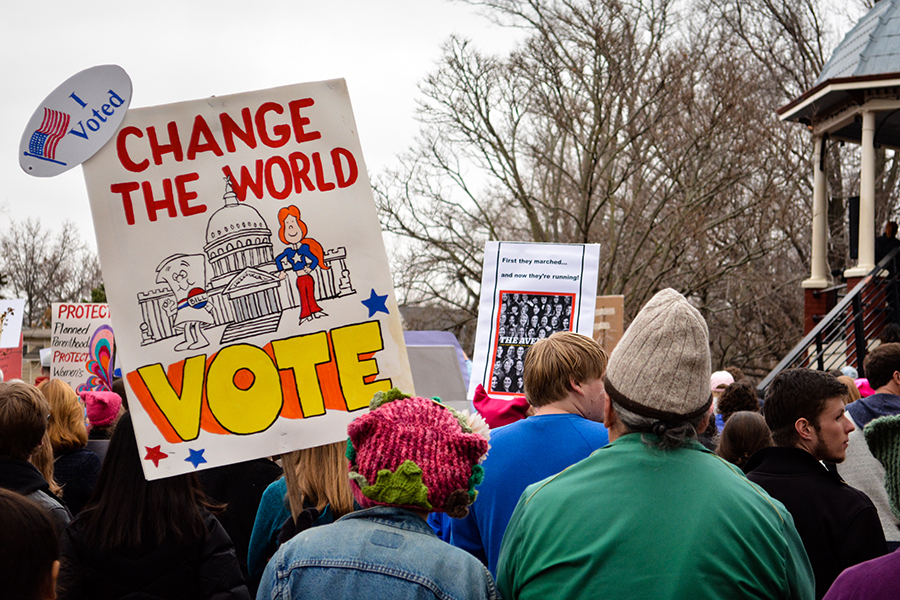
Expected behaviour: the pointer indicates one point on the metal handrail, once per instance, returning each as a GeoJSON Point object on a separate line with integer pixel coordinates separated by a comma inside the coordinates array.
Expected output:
{"type": "Point", "coordinates": [824, 334]}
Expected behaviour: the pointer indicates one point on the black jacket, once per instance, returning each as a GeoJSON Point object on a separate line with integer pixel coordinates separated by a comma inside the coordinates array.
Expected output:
{"type": "Point", "coordinates": [838, 524]}
{"type": "Point", "coordinates": [207, 571]}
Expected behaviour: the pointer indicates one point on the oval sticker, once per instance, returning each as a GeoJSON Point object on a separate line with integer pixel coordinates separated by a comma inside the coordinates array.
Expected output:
{"type": "Point", "coordinates": [75, 120]}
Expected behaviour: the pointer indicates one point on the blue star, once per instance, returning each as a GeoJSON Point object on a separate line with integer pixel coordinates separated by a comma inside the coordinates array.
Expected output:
{"type": "Point", "coordinates": [376, 303]}
{"type": "Point", "coordinates": [196, 457]}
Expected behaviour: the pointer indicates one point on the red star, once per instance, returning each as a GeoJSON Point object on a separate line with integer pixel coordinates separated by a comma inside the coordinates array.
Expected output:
{"type": "Point", "coordinates": [155, 454]}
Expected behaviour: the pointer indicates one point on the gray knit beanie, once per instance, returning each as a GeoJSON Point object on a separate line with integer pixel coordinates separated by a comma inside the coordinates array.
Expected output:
{"type": "Point", "coordinates": [883, 437]}
{"type": "Point", "coordinates": [661, 368]}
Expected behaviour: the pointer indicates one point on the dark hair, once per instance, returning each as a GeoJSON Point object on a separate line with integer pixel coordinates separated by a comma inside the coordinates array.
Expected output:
{"type": "Point", "coordinates": [798, 394]}
{"type": "Point", "coordinates": [881, 363]}
{"type": "Point", "coordinates": [127, 511]}
{"type": "Point", "coordinates": [23, 419]}
{"type": "Point", "coordinates": [743, 434]}
{"type": "Point", "coordinates": [736, 373]}
{"type": "Point", "coordinates": [118, 386]}
{"type": "Point", "coordinates": [738, 396]}
{"type": "Point", "coordinates": [29, 545]}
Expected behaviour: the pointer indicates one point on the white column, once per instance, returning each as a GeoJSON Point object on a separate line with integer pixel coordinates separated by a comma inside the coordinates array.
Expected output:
{"type": "Point", "coordinates": [866, 261]}
{"type": "Point", "coordinates": [819, 276]}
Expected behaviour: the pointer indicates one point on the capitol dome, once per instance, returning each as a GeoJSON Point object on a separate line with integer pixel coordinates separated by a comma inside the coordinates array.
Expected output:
{"type": "Point", "coordinates": [233, 218]}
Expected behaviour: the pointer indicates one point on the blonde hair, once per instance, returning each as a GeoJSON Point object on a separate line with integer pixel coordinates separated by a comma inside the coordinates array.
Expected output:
{"type": "Point", "coordinates": [553, 363]}
{"type": "Point", "coordinates": [67, 429]}
{"type": "Point", "coordinates": [852, 391]}
{"type": "Point", "coordinates": [319, 477]}
{"type": "Point", "coordinates": [42, 459]}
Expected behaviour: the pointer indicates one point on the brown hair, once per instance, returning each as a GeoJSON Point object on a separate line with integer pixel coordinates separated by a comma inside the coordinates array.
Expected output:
{"type": "Point", "coordinates": [67, 429]}
{"type": "Point", "coordinates": [319, 477]}
{"type": "Point", "coordinates": [30, 546]}
{"type": "Point", "coordinates": [553, 363]}
{"type": "Point", "coordinates": [23, 419]}
{"type": "Point", "coordinates": [881, 363]}
{"type": "Point", "coordinates": [738, 396]}
{"type": "Point", "coordinates": [852, 391]}
{"type": "Point", "coordinates": [798, 394]}
{"type": "Point", "coordinates": [743, 434]}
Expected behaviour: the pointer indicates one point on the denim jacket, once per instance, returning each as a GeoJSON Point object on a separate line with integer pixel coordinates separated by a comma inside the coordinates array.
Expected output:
{"type": "Point", "coordinates": [382, 552]}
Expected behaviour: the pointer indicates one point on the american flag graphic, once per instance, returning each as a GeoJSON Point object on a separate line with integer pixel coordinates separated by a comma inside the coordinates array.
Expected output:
{"type": "Point", "coordinates": [45, 139]}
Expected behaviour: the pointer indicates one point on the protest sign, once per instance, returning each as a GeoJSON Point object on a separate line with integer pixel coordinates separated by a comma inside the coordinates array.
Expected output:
{"type": "Point", "coordinates": [246, 273]}
{"type": "Point", "coordinates": [11, 361]}
{"type": "Point", "coordinates": [81, 338]}
{"type": "Point", "coordinates": [11, 313]}
{"type": "Point", "coordinates": [528, 292]}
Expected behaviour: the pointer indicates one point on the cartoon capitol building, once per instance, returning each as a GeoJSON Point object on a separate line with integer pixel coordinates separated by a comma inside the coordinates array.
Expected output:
{"type": "Point", "coordinates": [243, 281]}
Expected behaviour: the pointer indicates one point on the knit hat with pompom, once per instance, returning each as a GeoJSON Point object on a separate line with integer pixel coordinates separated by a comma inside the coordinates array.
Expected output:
{"type": "Point", "coordinates": [414, 453]}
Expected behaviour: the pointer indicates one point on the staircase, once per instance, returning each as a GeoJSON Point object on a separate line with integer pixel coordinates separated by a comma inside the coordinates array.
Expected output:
{"type": "Point", "coordinates": [845, 334]}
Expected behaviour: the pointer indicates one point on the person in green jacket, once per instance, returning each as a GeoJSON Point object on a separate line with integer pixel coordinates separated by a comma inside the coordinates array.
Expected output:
{"type": "Point", "coordinates": [654, 514]}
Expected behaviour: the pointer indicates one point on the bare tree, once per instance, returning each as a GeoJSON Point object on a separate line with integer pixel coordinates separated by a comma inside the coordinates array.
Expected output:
{"type": "Point", "coordinates": [47, 266]}
{"type": "Point", "coordinates": [609, 124]}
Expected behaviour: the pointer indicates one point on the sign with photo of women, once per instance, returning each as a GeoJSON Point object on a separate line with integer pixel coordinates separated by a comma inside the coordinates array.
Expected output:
{"type": "Point", "coordinates": [528, 292]}
{"type": "Point", "coordinates": [246, 274]}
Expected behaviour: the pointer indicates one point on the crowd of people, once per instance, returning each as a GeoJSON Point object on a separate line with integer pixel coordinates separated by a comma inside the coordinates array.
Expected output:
{"type": "Point", "coordinates": [640, 474]}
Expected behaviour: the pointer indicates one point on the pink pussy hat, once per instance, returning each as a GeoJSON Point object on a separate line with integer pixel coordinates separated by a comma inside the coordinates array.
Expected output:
{"type": "Point", "coordinates": [102, 407]}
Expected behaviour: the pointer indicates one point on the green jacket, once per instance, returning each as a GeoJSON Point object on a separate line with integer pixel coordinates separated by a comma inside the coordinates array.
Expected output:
{"type": "Point", "coordinates": [631, 521]}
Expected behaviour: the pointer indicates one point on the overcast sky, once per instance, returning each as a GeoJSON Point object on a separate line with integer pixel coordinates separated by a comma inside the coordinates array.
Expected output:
{"type": "Point", "coordinates": [177, 50]}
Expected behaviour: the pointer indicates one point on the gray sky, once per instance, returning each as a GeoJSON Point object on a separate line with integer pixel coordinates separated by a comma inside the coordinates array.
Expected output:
{"type": "Point", "coordinates": [177, 50]}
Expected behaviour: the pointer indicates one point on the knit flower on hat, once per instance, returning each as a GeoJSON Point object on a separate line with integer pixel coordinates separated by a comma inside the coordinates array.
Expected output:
{"type": "Point", "coordinates": [414, 453]}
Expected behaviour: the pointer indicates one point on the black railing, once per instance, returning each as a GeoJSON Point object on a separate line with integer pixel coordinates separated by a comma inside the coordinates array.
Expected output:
{"type": "Point", "coordinates": [842, 336]}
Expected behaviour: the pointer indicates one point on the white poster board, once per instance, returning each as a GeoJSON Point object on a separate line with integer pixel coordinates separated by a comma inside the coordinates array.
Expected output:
{"type": "Point", "coordinates": [528, 292]}
{"type": "Point", "coordinates": [82, 341]}
{"type": "Point", "coordinates": [11, 313]}
{"type": "Point", "coordinates": [247, 276]}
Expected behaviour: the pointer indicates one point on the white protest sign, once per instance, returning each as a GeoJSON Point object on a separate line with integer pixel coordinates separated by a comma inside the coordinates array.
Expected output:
{"type": "Point", "coordinates": [11, 313]}
{"type": "Point", "coordinates": [75, 120]}
{"type": "Point", "coordinates": [81, 338]}
{"type": "Point", "coordinates": [528, 292]}
{"type": "Point", "coordinates": [247, 276]}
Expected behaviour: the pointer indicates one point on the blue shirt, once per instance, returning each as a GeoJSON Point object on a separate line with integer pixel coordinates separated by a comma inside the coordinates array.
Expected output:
{"type": "Point", "coordinates": [377, 553]}
{"type": "Point", "coordinates": [521, 453]}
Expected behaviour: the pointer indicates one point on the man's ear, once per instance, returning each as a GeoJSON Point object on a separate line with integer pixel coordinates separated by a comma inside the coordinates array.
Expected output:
{"type": "Point", "coordinates": [804, 429]}
{"type": "Point", "coordinates": [575, 386]}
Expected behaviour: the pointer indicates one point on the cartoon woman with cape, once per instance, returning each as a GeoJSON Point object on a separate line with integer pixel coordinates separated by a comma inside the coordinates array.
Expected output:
{"type": "Point", "coordinates": [302, 255]}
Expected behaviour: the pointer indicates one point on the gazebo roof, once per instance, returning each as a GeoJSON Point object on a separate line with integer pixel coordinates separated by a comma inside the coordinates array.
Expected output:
{"type": "Point", "coordinates": [871, 48]}
{"type": "Point", "coordinates": [865, 64]}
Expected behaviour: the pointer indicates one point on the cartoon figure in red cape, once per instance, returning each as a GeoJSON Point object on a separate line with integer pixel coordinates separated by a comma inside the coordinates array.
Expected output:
{"type": "Point", "coordinates": [302, 256]}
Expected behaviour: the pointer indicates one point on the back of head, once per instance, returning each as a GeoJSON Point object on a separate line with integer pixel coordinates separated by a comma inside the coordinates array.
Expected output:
{"type": "Point", "coordinates": [23, 419]}
{"type": "Point", "coordinates": [738, 396]}
{"type": "Point", "coordinates": [127, 511]}
{"type": "Point", "coordinates": [319, 478]}
{"type": "Point", "coordinates": [881, 364]}
{"type": "Point", "coordinates": [414, 453]}
{"type": "Point", "coordinates": [28, 548]}
{"type": "Point", "coordinates": [659, 374]}
{"type": "Point", "coordinates": [67, 429]}
{"type": "Point", "coordinates": [798, 394]}
{"type": "Point", "coordinates": [744, 433]}
{"type": "Point", "coordinates": [102, 408]}
{"type": "Point", "coordinates": [554, 362]}
{"type": "Point", "coordinates": [852, 391]}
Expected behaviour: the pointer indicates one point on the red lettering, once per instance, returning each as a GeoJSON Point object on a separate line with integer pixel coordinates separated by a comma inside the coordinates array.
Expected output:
{"type": "Point", "coordinates": [69, 310]}
{"type": "Point", "coordinates": [299, 122]}
{"type": "Point", "coordinates": [154, 206]}
{"type": "Point", "coordinates": [246, 181]}
{"type": "Point", "coordinates": [122, 150]}
{"type": "Point", "coordinates": [174, 145]}
{"type": "Point", "coordinates": [104, 311]}
{"type": "Point", "coordinates": [323, 185]}
{"type": "Point", "coordinates": [282, 131]}
{"type": "Point", "coordinates": [210, 145]}
{"type": "Point", "coordinates": [301, 174]}
{"type": "Point", "coordinates": [185, 196]}
{"type": "Point", "coordinates": [231, 129]}
{"type": "Point", "coordinates": [79, 311]}
{"type": "Point", "coordinates": [352, 170]}
{"type": "Point", "coordinates": [125, 189]}
{"type": "Point", "coordinates": [285, 191]}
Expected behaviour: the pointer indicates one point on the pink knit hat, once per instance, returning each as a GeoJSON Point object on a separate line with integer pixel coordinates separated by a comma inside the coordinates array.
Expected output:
{"type": "Point", "coordinates": [414, 453]}
{"type": "Point", "coordinates": [102, 407]}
